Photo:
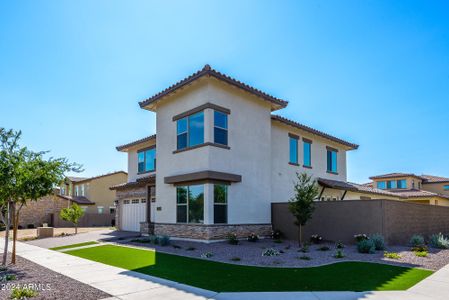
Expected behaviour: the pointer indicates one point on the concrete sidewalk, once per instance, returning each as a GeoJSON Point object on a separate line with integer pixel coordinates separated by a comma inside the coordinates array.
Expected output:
{"type": "Point", "coordinates": [124, 284]}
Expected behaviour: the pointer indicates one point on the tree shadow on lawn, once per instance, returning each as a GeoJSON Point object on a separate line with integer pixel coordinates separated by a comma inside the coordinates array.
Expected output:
{"type": "Point", "coordinates": [223, 277]}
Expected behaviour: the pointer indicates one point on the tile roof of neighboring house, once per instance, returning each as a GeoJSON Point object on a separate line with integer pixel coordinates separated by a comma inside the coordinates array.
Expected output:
{"type": "Point", "coordinates": [126, 146]}
{"type": "Point", "coordinates": [76, 179]}
{"type": "Point", "coordinates": [77, 199]}
{"type": "Point", "coordinates": [434, 179]}
{"type": "Point", "coordinates": [354, 187]}
{"type": "Point", "coordinates": [418, 194]}
{"type": "Point", "coordinates": [393, 175]}
{"type": "Point", "coordinates": [139, 182]}
{"type": "Point", "coordinates": [208, 71]}
{"type": "Point", "coordinates": [100, 176]}
{"type": "Point", "coordinates": [313, 131]}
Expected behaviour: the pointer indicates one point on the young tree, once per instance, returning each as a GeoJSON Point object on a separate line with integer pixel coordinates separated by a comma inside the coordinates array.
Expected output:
{"type": "Point", "coordinates": [302, 205]}
{"type": "Point", "coordinates": [72, 214]}
{"type": "Point", "coordinates": [28, 177]}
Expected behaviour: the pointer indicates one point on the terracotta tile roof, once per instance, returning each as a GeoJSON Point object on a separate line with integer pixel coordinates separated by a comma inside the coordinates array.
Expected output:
{"type": "Point", "coordinates": [139, 182]}
{"type": "Point", "coordinates": [313, 131]}
{"type": "Point", "coordinates": [354, 187]}
{"type": "Point", "coordinates": [208, 71]}
{"type": "Point", "coordinates": [77, 199]}
{"type": "Point", "coordinates": [100, 176]}
{"type": "Point", "coordinates": [143, 140]}
{"type": "Point", "coordinates": [76, 179]}
{"type": "Point", "coordinates": [434, 179]}
{"type": "Point", "coordinates": [418, 194]}
{"type": "Point", "coordinates": [393, 175]}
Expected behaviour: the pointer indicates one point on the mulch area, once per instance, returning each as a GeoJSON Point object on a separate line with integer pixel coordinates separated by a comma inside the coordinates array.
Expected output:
{"type": "Point", "coordinates": [49, 284]}
{"type": "Point", "coordinates": [250, 253]}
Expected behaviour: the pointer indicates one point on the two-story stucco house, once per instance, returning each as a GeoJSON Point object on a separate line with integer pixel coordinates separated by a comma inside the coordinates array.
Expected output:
{"type": "Point", "coordinates": [219, 159]}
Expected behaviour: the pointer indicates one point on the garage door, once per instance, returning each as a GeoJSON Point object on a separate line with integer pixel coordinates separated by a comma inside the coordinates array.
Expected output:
{"type": "Point", "coordinates": [133, 212]}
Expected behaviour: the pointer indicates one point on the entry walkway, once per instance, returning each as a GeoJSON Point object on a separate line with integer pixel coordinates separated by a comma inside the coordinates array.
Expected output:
{"type": "Point", "coordinates": [125, 284]}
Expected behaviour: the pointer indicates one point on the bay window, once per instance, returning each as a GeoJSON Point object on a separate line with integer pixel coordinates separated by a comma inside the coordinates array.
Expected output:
{"type": "Point", "coordinates": [190, 204]}
{"type": "Point", "coordinates": [220, 204]}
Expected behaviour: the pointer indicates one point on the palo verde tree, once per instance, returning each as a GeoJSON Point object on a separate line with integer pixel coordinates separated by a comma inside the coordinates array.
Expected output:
{"type": "Point", "coordinates": [29, 176]}
{"type": "Point", "coordinates": [302, 205]}
{"type": "Point", "coordinates": [72, 214]}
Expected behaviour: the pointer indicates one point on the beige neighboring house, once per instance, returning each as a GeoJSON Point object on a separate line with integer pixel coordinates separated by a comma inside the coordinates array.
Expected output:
{"type": "Point", "coordinates": [220, 158]}
{"type": "Point", "coordinates": [91, 194]}
{"type": "Point", "coordinates": [424, 189]}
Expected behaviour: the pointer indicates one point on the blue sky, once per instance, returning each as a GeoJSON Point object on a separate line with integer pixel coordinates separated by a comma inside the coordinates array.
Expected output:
{"type": "Point", "coordinates": [373, 72]}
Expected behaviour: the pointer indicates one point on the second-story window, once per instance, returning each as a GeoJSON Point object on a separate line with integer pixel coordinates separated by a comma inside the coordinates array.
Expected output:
{"type": "Point", "coordinates": [331, 160]}
{"type": "Point", "coordinates": [307, 153]}
{"type": "Point", "coordinates": [392, 184]}
{"type": "Point", "coordinates": [402, 184]}
{"type": "Point", "coordinates": [293, 144]}
{"type": "Point", "coordinates": [190, 131]}
{"type": "Point", "coordinates": [82, 190]}
{"type": "Point", "coordinates": [446, 187]}
{"type": "Point", "coordinates": [146, 160]}
{"type": "Point", "coordinates": [220, 128]}
{"type": "Point", "coordinates": [381, 185]}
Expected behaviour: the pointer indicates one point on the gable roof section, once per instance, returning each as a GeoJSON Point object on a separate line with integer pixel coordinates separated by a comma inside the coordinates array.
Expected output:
{"type": "Point", "coordinates": [208, 71]}
{"type": "Point", "coordinates": [143, 140]}
{"type": "Point", "coordinates": [100, 176]}
{"type": "Point", "coordinates": [314, 131]}
{"type": "Point", "coordinates": [353, 187]}
{"type": "Point", "coordinates": [434, 179]}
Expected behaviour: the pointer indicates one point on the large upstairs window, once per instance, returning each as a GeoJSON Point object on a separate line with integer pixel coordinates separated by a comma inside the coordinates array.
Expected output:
{"type": "Point", "coordinates": [331, 160]}
{"type": "Point", "coordinates": [293, 144]}
{"type": "Point", "coordinates": [146, 160]}
{"type": "Point", "coordinates": [220, 128]}
{"type": "Point", "coordinates": [190, 131]}
{"type": "Point", "coordinates": [446, 187]}
{"type": "Point", "coordinates": [307, 148]}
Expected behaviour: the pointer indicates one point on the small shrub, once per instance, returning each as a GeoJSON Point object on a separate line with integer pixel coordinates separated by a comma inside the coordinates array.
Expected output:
{"type": "Point", "coordinates": [277, 241]}
{"type": "Point", "coordinates": [316, 238]}
{"type": "Point", "coordinates": [3, 268]}
{"type": "Point", "coordinates": [176, 246]}
{"type": "Point", "coordinates": [191, 249]}
{"type": "Point", "coordinates": [361, 237]}
{"type": "Point", "coordinates": [421, 253]}
{"type": "Point", "coordinates": [207, 255]}
{"type": "Point", "coordinates": [366, 246]}
{"type": "Point", "coordinates": [339, 245]}
{"type": "Point", "coordinates": [339, 254]}
{"type": "Point", "coordinates": [378, 240]}
{"type": "Point", "coordinates": [417, 240]}
{"type": "Point", "coordinates": [232, 239]}
{"type": "Point", "coordinates": [324, 248]}
{"type": "Point", "coordinates": [276, 234]}
{"type": "Point", "coordinates": [30, 226]}
{"type": "Point", "coordinates": [20, 227]}
{"type": "Point", "coordinates": [304, 248]}
{"type": "Point", "coordinates": [439, 241]}
{"type": "Point", "coordinates": [392, 255]}
{"type": "Point", "coordinates": [305, 257]}
{"type": "Point", "coordinates": [164, 240]}
{"type": "Point", "coordinates": [154, 239]}
{"type": "Point", "coordinates": [22, 293]}
{"type": "Point", "coordinates": [270, 252]}
{"type": "Point", "coordinates": [420, 249]}
{"type": "Point", "coordinates": [253, 237]}
{"type": "Point", "coordinates": [236, 259]}
{"type": "Point", "coordinates": [9, 277]}
{"type": "Point", "coordinates": [281, 251]}
{"type": "Point", "coordinates": [141, 241]}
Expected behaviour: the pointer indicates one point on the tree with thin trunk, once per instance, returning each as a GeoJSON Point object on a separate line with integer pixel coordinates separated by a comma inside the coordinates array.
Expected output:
{"type": "Point", "coordinates": [72, 214]}
{"type": "Point", "coordinates": [28, 177]}
{"type": "Point", "coordinates": [302, 204]}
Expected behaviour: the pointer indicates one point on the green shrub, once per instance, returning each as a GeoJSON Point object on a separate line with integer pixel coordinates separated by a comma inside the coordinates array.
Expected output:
{"type": "Point", "coordinates": [324, 248]}
{"type": "Point", "coordinates": [253, 237]}
{"type": "Point", "coordinates": [439, 241]}
{"type": "Point", "coordinates": [236, 259]}
{"type": "Point", "coordinates": [316, 238]}
{"type": "Point", "coordinates": [22, 293]}
{"type": "Point", "coordinates": [378, 240]}
{"type": "Point", "coordinates": [270, 252]}
{"type": "Point", "coordinates": [339, 254]}
{"type": "Point", "coordinates": [305, 257]}
{"type": "Point", "coordinates": [360, 237]}
{"type": "Point", "coordinates": [417, 240]}
{"type": "Point", "coordinates": [277, 241]}
{"type": "Point", "coordinates": [392, 255]}
{"type": "Point", "coordinates": [420, 248]}
{"type": "Point", "coordinates": [304, 248]}
{"type": "Point", "coordinates": [232, 239]}
{"type": "Point", "coordinates": [339, 245]}
{"type": "Point", "coordinates": [276, 234]}
{"type": "Point", "coordinates": [141, 241]}
{"type": "Point", "coordinates": [154, 239]}
{"type": "Point", "coordinates": [421, 253]}
{"type": "Point", "coordinates": [9, 277]}
{"type": "Point", "coordinates": [164, 240]}
{"type": "Point", "coordinates": [366, 246]}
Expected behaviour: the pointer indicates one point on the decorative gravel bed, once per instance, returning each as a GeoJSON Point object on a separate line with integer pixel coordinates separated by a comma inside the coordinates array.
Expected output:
{"type": "Point", "coordinates": [50, 284]}
{"type": "Point", "coordinates": [250, 253]}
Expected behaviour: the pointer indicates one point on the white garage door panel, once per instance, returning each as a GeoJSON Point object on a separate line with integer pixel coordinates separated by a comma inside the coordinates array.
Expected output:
{"type": "Point", "coordinates": [133, 214]}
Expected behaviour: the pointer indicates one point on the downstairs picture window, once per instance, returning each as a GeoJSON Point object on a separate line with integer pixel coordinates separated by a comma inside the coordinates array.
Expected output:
{"type": "Point", "coordinates": [220, 204]}
{"type": "Point", "coordinates": [190, 204]}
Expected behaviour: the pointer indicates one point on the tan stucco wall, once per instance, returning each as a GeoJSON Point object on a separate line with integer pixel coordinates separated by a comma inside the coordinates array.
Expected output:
{"type": "Point", "coordinates": [410, 180]}
{"type": "Point", "coordinates": [436, 188]}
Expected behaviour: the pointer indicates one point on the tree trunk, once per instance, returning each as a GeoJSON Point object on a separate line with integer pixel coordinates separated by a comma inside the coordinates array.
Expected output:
{"type": "Point", "coordinates": [76, 228]}
{"type": "Point", "coordinates": [7, 224]}
{"type": "Point", "coordinates": [300, 235]}
{"type": "Point", "coordinates": [14, 233]}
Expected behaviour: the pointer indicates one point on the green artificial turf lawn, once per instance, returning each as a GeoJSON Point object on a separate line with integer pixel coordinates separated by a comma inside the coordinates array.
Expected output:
{"type": "Point", "coordinates": [223, 277]}
{"type": "Point", "coordinates": [75, 245]}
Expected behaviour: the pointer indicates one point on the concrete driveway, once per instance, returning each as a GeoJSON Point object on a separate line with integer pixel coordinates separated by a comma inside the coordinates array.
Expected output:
{"type": "Point", "coordinates": [98, 235]}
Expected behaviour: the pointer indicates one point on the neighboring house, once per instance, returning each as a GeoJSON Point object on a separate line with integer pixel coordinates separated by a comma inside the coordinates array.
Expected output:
{"type": "Point", "coordinates": [424, 189]}
{"type": "Point", "coordinates": [219, 160]}
{"type": "Point", "coordinates": [91, 194]}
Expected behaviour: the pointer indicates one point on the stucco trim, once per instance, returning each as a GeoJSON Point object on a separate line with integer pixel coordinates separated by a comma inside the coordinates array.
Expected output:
{"type": "Point", "coordinates": [201, 176]}
{"type": "Point", "coordinates": [202, 145]}
{"type": "Point", "coordinates": [201, 108]}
